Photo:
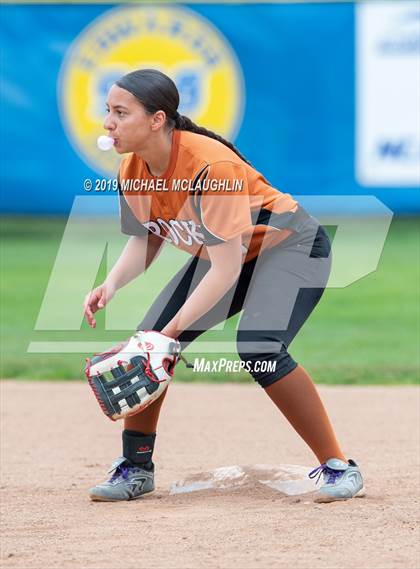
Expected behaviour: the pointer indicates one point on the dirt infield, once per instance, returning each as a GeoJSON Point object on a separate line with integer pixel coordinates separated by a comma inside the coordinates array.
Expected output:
{"type": "Point", "coordinates": [56, 444]}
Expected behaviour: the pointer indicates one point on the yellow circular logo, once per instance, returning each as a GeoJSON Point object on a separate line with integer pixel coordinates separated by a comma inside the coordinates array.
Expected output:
{"type": "Point", "coordinates": [175, 40]}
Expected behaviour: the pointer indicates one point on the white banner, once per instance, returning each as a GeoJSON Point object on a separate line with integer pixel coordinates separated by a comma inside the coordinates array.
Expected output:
{"type": "Point", "coordinates": [388, 93]}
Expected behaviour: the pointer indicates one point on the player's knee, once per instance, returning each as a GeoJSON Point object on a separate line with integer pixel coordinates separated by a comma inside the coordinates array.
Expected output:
{"type": "Point", "coordinates": [266, 366]}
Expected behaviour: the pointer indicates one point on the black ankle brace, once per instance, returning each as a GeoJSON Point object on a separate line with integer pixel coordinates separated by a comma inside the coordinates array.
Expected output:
{"type": "Point", "coordinates": [138, 448]}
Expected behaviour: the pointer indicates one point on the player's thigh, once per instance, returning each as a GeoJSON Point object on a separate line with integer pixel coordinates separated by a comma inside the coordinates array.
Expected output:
{"type": "Point", "coordinates": [177, 291]}
{"type": "Point", "coordinates": [285, 288]}
{"type": "Point", "coordinates": [230, 304]}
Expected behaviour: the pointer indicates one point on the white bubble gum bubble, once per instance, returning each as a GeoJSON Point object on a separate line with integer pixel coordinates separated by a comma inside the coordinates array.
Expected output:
{"type": "Point", "coordinates": [105, 142]}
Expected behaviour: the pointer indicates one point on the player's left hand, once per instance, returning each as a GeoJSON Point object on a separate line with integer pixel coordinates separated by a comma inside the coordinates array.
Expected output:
{"type": "Point", "coordinates": [129, 377]}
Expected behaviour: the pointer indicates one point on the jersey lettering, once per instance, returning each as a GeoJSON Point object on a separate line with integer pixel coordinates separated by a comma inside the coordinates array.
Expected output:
{"type": "Point", "coordinates": [175, 231]}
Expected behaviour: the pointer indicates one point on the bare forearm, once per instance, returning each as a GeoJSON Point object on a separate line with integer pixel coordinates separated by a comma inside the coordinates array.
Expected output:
{"type": "Point", "coordinates": [210, 290]}
{"type": "Point", "coordinates": [133, 261]}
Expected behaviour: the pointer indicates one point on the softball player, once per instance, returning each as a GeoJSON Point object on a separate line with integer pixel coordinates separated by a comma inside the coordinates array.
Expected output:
{"type": "Point", "coordinates": [253, 249]}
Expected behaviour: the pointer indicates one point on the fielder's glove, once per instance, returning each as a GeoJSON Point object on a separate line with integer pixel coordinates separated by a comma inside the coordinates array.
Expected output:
{"type": "Point", "coordinates": [129, 377]}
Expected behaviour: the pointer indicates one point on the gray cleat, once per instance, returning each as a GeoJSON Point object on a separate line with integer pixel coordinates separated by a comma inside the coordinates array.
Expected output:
{"type": "Point", "coordinates": [342, 481]}
{"type": "Point", "coordinates": [128, 482]}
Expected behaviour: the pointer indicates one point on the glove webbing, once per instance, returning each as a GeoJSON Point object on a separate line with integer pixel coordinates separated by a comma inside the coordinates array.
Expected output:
{"type": "Point", "coordinates": [124, 382]}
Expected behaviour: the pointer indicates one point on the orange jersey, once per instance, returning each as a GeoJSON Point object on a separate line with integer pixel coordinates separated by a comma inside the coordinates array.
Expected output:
{"type": "Point", "coordinates": [207, 195]}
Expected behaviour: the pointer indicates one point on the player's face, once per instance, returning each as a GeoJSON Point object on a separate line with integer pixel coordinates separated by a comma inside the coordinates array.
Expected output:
{"type": "Point", "coordinates": [126, 121]}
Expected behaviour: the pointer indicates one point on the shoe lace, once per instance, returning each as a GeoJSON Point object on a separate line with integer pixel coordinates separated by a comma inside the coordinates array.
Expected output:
{"type": "Point", "coordinates": [120, 471]}
{"type": "Point", "coordinates": [330, 475]}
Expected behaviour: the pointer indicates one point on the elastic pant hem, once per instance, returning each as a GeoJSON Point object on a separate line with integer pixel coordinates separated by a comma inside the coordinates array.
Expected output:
{"type": "Point", "coordinates": [268, 380]}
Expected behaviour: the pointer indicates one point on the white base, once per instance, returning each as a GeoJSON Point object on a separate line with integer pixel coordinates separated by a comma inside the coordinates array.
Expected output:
{"type": "Point", "coordinates": [289, 479]}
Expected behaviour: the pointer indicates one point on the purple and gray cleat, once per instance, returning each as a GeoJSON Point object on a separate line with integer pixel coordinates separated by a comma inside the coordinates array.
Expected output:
{"type": "Point", "coordinates": [342, 481]}
{"type": "Point", "coordinates": [128, 482]}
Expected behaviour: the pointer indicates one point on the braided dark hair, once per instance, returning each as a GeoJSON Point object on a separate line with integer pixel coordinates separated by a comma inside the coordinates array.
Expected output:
{"type": "Point", "coordinates": [184, 123]}
{"type": "Point", "coordinates": [157, 92]}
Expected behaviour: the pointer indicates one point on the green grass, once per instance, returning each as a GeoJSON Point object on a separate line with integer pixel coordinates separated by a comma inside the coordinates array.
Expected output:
{"type": "Point", "coordinates": [366, 333]}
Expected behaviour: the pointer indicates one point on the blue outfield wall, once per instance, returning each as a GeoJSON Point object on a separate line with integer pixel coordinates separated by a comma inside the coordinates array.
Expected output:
{"type": "Point", "coordinates": [298, 126]}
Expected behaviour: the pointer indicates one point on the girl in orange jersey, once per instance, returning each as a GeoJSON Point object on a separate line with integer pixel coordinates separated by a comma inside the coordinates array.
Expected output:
{"type": "Point", "coordinates": [253, 249]}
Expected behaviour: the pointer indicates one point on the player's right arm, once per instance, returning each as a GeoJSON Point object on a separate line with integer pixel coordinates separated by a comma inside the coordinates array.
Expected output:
{"type": "Point", "coordinates": [141, 250]}
{"type": "Point", "coordinates": [136, 257]}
